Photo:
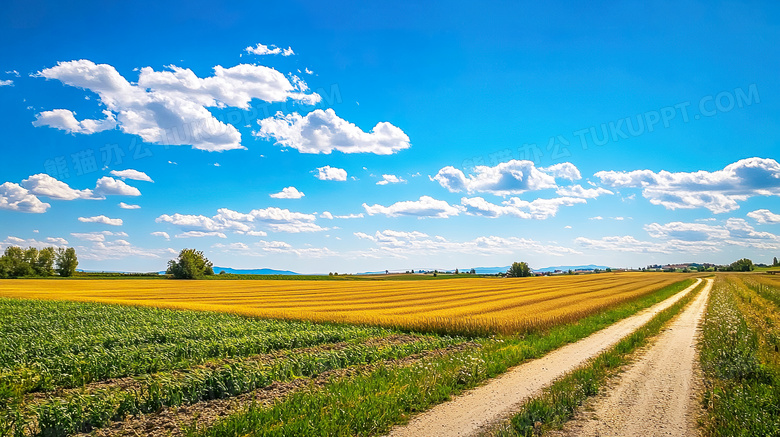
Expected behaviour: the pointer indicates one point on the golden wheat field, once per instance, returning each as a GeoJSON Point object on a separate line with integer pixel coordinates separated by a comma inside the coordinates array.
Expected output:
{"type": "Point", "coordinates": [478, 305]}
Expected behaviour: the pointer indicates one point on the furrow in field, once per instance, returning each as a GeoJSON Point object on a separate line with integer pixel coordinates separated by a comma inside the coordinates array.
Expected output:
{"type": "Point", "coordinates": [171, 421]}
{"type": "Point", "coordinates": [481, 408]}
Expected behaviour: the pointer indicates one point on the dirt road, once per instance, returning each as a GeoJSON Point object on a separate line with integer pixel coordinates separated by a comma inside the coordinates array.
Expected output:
{"type": "Point", "coordinates": [655, 396]}
{"type": "Point", "coordinates": [481, 408]}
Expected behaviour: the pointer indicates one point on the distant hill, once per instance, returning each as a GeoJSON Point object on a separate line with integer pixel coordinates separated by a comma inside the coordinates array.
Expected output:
{"type": "Point", "coordinates": [253, 271]}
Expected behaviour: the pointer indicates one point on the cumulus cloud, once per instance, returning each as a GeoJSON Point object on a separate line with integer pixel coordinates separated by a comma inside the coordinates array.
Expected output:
{"type": "Point", "coordinates": [124, 205]}
{"type": "Point", "coordinates": [97, 236]}
{"type": "Point", "coordinates": [131, 174]}
{"type": "Point", "coordinates": [107, 186]}
{"type": "Point", "coordinates": [538, 209]}
{"type": "Point", "coordinates": [512, 177]}
{"type": "Point", "coordinates": [322, 131]}
{"type": "Point", "coordinates": [579, 191]}
{"type": "Point", "coordinates": [390, 179]}
{"type": "Point", "coordinates": [686, 231]}
{"type": "Point", "coordinates": [170, 107]}
{"type": "Point", "coordinates": [719, 191]}
{"type": "Point", "coordinates": [7, 82]}
{"type": "Point", "coordinates": [200, 234]}
{"type": "Point", "coordinates": [275, 219]}
{"type": "Point", "coordinates": [161, 234]}
{"type": "Point", "coordinates": [32, 242]}
{"type": "Point", "coordinates": [64, 119]}
{"type": "Point", "coordinates": [681, 237]}
{"type": "Point", "coordinates": [426, 206]}
{"type": "Point", "coordinates": [329, 173]}
{"type": "Point", "coordinates": [288, 193]}
{"type": "Point", "coordinates": [16, 198]}
{"type": "Point", "coordinates": [44, 185]}
{"type": "Point", "coordinates": [764, 216]}
{"type": "Point", "coordinates": [326, 215]}
{"type": "Point", "coordinates": [101, 219]}
{"type": "Point", "coordinates": [402, 243]}
{"type": "Point", "coordinates": [261, 49]}
{"type": "Point", "coordinates": [564, 170]}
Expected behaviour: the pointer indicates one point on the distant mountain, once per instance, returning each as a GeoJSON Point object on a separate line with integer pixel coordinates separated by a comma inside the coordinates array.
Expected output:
{"type": "Point", "coordinates": [567, 268]}
{"type": "Point", "coordinates": [253, 271]}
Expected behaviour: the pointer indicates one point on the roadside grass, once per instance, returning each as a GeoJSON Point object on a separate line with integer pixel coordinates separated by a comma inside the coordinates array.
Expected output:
{"type": "Point", "coordinates": [372, 402]}
{"type": "Point", "coordinates": [558, 403]}
{"type": "Point", "coordinates": [742, 381]}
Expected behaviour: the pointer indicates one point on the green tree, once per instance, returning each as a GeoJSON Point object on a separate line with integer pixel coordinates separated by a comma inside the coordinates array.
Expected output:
{"type": "Point", "coordinates": [775, 263]}
{"type": "Point", "coordinates": [44, 265]}
{"type": "Point", "coordinates": [15, 262]}
{"type": "Point", "coordinates": [191, 264]}
{"type": "Point", "coordinates": [519, 270]}
{"type": "Point", "coordinates": [66, 261]}
{"type": "Point", "coordinates": [743, 265]}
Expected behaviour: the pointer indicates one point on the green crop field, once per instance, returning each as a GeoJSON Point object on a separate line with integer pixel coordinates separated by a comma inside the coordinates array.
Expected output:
{"type": "Point", "coordinates": [83, 367]}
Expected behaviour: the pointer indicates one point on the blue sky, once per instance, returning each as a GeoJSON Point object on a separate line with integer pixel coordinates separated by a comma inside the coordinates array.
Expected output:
{"type": "Point", "coordinates": [350, 136]}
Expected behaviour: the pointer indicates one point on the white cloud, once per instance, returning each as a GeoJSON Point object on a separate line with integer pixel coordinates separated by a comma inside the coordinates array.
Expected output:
{"type": "Point", "coordinates": [31, 242]}
{"type": "Point", "coordinates": [44, 185]}
{"type": "Point", "coordinates": [7, 82]}
{"type": "Point", "coordinates": [564, 170]}
{"type": "Point", "coordinates": [686, 231]}
{"type": "Point", "coordinates": [288, 193]}
{"type": "Point", "coordinates": [579, 191]}
{"type": "Point", "coordinates": [15, 198]}
{"type": "Point", "coordinates": [261, 49]}
{"type": "Point", "coordinates": [161, 234]}
{"type": "Point", "coordinates": [131, 174]}
{"type": "Point", "coordinates": [64, 119]}
{"type": "Point", "coordinates": [681, 237]}
{"type": "Point", "coordinates": [275, 219]}
{"type": "Point", "coordinates": [256, 233]}
{"type": "Point", "coordinates": [101, 219]}
{"type": "Point", "coordinates": [170, 107]}
{"type": "Point", "coordinates": [598, 217]}
{"type": "Point", "coordinates": [117, 249]}
{"type": "Point", "coordinates": [538, 209]}
{"type": "Point", "coordinates": [107, 186]}
{"type": "Point", "coordinates": [512, 177]}
{"type": "Point", "coordinates": [326, 215]}
{"type": "Point", "coordinates": [426, 206]}
{"type": "Point", "coordinates": [349, 216]}
{"type": "Point", "coordinates": [719, 191]}
{"type": "Point", "coordinates": [200, 234]}
{"type": "Point", "coordinates": [402, 243]}
{"type": "Point", "coordinates": [322, 131]}
{"type": "Point", "coordinates": [124, 205]}
{"type": "Point", "coordinates": [390, 179]}
{"type": "Point", "coordinates": [329, 173]}
{"type": "Point", "coordinates": [764, 216]}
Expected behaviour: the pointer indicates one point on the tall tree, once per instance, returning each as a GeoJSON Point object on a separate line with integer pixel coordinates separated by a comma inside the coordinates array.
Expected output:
{"type": "Point", "coordinates": [190, 264]}
{"type": "Point", "coordinates": [44, 266]}
{"type": "Point", "coordinates": [66, 261]}
{"type": "Point", "coordinates": [743, 265]}
{"type": "Point", "coordinates": [519, 270]}
{"type": "Point", "coordinates": [775, 263]}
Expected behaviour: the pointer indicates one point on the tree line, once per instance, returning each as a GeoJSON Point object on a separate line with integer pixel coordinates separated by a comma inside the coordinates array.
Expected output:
{"type": "Point", "coordinates": [32, 262]}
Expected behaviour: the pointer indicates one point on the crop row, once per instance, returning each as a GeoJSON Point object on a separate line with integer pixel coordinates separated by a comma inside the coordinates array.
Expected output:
{"type": "Point", "coordinates": [46, 345]}
{"type": "Point", "coordinates": [82, 411]}
{"type": "Point", "coordinates": [742, 394]}
{"type": "Point", "coordinates": [463, 307]}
